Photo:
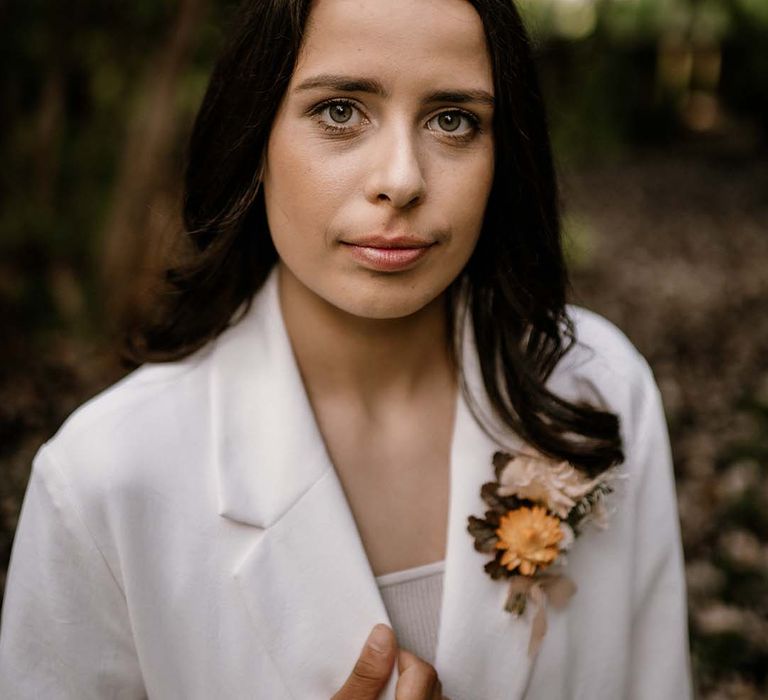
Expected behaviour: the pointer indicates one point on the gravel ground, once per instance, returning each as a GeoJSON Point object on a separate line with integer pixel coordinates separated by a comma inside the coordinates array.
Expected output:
{"type": "Point", "coordinates": [673, 248]}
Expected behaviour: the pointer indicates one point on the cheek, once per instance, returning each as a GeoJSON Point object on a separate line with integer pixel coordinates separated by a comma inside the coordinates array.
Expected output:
{"type": "Point", "coordinates": [466, 196]}
{"type": "Point", "coordinates": [301, 191]}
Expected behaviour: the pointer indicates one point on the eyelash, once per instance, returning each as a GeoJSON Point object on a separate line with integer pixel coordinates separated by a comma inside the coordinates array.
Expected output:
{"type": "Point", "coordinates": [342, 130]}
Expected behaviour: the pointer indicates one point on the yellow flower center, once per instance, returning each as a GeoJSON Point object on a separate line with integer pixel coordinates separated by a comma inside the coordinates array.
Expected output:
{"type": "Point", "coordinates": [530, 538]}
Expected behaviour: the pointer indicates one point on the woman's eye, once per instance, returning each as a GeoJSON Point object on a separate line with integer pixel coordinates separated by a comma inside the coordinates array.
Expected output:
{"type": "Point", "coordinates": [340, 112]}
{"type": "Point", "coordinates": [338, 115]}
{"type": "Point", "coordinates": [451, 123]}
{"type": "Point", "coordinates": [343, 116]}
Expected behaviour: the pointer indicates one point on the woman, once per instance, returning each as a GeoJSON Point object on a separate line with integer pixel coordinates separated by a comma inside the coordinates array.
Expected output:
{"type": "Point", "coordinates": [374, 306]}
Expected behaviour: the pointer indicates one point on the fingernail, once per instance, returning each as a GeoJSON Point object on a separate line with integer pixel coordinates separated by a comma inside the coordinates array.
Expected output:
{"type": "Point", "coordinates": [378, 639]}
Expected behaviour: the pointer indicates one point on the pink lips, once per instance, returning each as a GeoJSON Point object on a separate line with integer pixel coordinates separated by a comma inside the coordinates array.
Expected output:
{"type": "Point", "coordinates": [388, 254]}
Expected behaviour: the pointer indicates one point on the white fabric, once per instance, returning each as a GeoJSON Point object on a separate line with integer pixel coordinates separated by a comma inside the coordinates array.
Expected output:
{"type": "Point", "coordinates": [415, 572]}
{"type": "Point", "coordinates": [412, 599]}
{"type": "Point", "coordinates": [184, 535]}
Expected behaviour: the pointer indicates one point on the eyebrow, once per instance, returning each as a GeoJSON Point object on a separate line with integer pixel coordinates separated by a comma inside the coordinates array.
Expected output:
{"type": "Point", "coordinates": [343, 83]}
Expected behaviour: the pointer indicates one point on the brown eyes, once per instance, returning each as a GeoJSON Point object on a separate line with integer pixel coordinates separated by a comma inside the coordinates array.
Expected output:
{"type": "Point", "coordinates": [341, 119]}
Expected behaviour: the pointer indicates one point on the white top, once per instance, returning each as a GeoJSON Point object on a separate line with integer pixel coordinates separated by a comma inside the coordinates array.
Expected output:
{"type": "Point", "coordinates": [412, 598]}
{"type": "Point", "coordinates": [185, 535]}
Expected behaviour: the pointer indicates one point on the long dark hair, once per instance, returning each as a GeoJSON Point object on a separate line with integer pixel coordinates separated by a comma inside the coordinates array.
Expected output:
{"type": "Point", "coordinates": [515, 282]}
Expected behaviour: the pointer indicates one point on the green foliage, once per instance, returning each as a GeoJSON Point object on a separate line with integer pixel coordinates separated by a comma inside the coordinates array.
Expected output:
{"type": "Point", "coordinates": [578, 239]}
{"type": "Point", "coordinates": [752, 11]}
{"type": "Point", "coordinates": [641, 21]}
{"type": "Point", "coordinates": [71, 77]}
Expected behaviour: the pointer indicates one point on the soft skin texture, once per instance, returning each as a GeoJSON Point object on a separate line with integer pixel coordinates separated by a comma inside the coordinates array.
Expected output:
{"type": "Point", "coordinates": [404, 165]}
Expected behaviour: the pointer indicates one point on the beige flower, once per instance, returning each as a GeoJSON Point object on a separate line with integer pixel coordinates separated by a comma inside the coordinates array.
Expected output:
{"type": "Point", "coordinates": [556, 485]}
{"type": "Point", "coordinates": [568, 536]}
{"type": "Point", "coordinates": [597, 516]}
{"type": "Point", "coordinates": [530, 538]}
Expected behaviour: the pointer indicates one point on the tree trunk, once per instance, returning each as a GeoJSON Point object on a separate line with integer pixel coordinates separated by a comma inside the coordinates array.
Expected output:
{"type": "Point", "coordinates": [144, 209]}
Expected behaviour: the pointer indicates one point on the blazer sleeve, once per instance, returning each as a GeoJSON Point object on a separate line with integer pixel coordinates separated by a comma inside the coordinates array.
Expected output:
{"type": "Point", "coordinates": [65, 627]}
{"type": "Point", "coordinates": [659, 660]}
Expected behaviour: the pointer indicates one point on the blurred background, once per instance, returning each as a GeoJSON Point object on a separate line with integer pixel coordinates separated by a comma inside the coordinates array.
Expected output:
{"type": "Point", "coordinates": [659, 116]}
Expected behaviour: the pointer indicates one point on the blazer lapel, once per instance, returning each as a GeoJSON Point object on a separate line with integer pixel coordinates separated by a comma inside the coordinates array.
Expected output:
{"type": "Point", "coordinates": [305, 578]}
{"type": "Point", "coordinates": [482, 650]}
{"type": "Point", "coordinates": [310, 591]}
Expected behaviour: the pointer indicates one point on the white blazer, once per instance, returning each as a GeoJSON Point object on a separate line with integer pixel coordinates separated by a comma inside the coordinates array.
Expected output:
{"type": "Point", "coordinates": [184, 535]}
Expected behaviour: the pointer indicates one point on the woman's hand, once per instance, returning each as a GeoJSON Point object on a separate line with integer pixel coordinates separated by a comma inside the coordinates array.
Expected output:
{"type": "Point", "coordinates": [418, 680]}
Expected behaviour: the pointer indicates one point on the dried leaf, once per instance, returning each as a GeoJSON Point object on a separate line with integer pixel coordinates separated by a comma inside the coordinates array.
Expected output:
{"type": "Point", "coordinates": [500, 460]}
{"type": "Point", "coordinates": [485, 536]}
{"type": "Point", "coordinates": [495, 568]}
{"type": "Point", "coordinates": [489, 495]}
{"type": "Point", "coordinates": [516, 602]}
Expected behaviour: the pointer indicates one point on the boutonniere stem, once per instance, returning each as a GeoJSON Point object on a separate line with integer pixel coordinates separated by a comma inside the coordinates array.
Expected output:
{"type": "Point", "coordinates": [556, 590]}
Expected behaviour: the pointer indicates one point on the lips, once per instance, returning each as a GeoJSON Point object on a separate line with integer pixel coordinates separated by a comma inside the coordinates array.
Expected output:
{"type": "Point", "coordinates": [390, 242]}
{"type": "Point", "coordinates": [388, 253]}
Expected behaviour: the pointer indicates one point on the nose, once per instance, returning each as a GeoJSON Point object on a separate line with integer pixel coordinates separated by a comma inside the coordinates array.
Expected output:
{"type": "Point", "coordinates": [395, 174]}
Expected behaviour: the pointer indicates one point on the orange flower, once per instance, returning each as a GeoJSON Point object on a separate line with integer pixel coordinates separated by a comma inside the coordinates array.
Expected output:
{"type": "Point", "coordinates": [530, 538]}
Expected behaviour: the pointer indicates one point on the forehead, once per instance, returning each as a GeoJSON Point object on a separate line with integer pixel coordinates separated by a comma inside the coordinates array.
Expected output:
{"type": "Point", "coordinates": [396, 40]}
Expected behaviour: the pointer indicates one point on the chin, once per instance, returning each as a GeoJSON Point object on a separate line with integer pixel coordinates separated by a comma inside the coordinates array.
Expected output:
{"type": "Point", "coordinates": [380, 302]}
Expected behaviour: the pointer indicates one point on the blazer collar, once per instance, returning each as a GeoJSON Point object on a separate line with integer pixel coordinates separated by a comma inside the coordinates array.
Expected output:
{"type": "Point", "coordinates": [269, 448]}
{"type": "Point", "coordinates": [306, 580]}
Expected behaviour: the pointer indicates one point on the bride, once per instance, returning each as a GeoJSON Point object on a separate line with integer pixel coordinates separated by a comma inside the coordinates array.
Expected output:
{"type": "Point", "coordinates": [363, 405]}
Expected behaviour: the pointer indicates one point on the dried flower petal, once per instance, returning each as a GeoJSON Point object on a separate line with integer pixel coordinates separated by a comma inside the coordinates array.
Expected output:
{"type": "Point", "coordinates": [556, 485]}
{"type": "Point", "coordinates": [568, 536]}
{"type": "Point", "coordinates": [530, 539]}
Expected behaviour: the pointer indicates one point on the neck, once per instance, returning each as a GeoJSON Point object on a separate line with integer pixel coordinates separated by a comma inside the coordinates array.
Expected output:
{"type": "Point", "coordinates": [365, 360]}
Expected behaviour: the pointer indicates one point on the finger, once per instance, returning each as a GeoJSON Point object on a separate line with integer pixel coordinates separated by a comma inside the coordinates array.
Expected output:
{"type": "Point", "coordinates": [418, 680]}
{"type": "Point", "coordinates": [405, 659]}
{"type": "Point", "coordinates": [373, 667]}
